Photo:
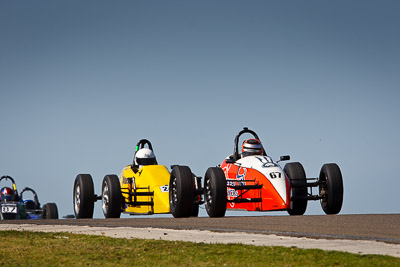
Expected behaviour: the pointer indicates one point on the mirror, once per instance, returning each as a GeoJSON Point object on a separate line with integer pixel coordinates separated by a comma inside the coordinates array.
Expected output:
{"type": "Point", "coordinates": [283, 158]}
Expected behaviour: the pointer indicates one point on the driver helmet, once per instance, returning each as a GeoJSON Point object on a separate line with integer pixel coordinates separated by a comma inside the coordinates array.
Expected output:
{"type": "Point", "coordinates": [252, 147]}
{"type": "Point", "coordinates": [7, 193]}
{"type": "Point", "coordinates": [145, 156]}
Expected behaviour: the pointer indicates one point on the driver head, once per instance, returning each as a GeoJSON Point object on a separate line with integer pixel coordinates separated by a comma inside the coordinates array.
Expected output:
{"type": "Point", "coordinates": [251, 147]}
{"type": "Point", "coordinates": [7, 194]}
{"type": "Point", "coordinates": [145, 156]}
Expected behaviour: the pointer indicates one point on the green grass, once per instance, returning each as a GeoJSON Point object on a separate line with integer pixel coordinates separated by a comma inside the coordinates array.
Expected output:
{"type": "Point", "coordinates": [62, 249]}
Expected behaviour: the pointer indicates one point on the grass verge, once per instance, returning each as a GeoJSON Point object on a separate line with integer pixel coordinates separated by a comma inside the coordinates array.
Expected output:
{"type": "Point", "coordinates": [62, 249]}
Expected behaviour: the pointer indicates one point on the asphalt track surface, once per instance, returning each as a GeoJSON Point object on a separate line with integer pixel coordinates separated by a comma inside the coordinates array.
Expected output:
{"type": "Point", "coordinates": [372, 227]}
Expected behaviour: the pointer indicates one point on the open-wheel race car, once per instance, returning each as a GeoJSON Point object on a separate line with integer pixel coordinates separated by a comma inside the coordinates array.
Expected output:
{"type": "Point", "coordinates": [33, 208]}
{"type": "Point", "coordinates": [252, 181]}
{"type": "Point", "coordinates": [14, 206]}
{"type": "Point", "coordinates": [144, 187]}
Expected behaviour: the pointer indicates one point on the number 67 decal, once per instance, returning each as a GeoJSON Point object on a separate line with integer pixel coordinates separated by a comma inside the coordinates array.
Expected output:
{"type": "Point", "coordinates": [274, 175]}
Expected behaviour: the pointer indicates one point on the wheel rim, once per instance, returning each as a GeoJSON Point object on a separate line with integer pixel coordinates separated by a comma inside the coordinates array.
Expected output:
{"type": "Point", "coordinates": [77, 199]}
{"type": "Point", "coordinates": [174, 195]}
{"type": "Point", "coordinates": [106, 198]}
{"type": "Point", "coordinates": [291, 201]}
{"type": "Point", "coordinates": [323, 191]}
{"type": "Point", "coordinates": [208, 193]}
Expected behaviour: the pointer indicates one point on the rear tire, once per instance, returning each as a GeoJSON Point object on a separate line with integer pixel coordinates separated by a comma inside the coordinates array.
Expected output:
{"type": "Point", "coordinates": [195, 211]}
{"type": "Point", "coordinates": [111, 196]}
{"type": "Point", "coordinates": [297, 177]}
{"type": "Point", "coordinates": [181, 192]}
{"type": "Point", "coordinates": [50, 211]}
{"type": "Point", "coordinates": [331, 188]}
{"type": "Point", "coordinates": [215, 193]}
{"type": "Point", "coordinates": [83, 196]}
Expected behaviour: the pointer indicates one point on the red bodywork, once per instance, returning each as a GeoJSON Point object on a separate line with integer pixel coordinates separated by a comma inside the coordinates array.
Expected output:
{"type": "Point", "coordinates": [248, 189]}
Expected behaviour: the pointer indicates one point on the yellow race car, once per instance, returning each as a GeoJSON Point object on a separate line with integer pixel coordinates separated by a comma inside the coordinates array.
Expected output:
{"type": "Point", "coordinates": [144, 187]}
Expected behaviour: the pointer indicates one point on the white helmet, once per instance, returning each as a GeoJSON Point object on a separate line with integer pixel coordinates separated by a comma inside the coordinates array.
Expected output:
{"type": "Point", "coordinates": [145, 156]}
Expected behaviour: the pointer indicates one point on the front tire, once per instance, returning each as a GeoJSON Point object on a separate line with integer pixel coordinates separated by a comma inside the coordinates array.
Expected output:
{"type": "Point", "coordinates": [83, 196]}
{"type": "Point", "coordinates": [298, 180]}
{"type": "Point", "coordinates": [331, 188]}
{"type": "Point", "coordinates": [50, 211]}
{"type": "Point", "coordinates": [215, 192]}
{"type": "Point", "coordinates": [111, 196]}
{"type": "Point", "coordinates": [181, 192]}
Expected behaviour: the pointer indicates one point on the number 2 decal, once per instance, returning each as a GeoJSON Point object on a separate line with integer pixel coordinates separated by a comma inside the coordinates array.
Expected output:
{"type": "Point", "coordinates": [164, 188]}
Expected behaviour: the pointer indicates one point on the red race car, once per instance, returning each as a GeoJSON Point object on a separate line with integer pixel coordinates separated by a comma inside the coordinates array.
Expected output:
{"type": "Point", "coordinates": [250, 180]}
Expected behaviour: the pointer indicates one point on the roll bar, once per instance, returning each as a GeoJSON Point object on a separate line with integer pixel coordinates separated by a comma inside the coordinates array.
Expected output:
{"type": "Point", "coordinates": [236, 148]}
{"type": "Point", "coordinates": [35, 197]}
{"type": "Point", "coordinates": [12, 180]}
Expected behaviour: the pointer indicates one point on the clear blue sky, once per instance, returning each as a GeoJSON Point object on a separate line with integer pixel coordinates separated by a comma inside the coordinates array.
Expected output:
{"type": "Point", "coordinates": [82, 81]}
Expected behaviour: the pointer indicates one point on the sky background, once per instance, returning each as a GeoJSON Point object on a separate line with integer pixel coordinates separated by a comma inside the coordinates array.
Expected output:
{"type": "Point", "coordinates": [82, 81]}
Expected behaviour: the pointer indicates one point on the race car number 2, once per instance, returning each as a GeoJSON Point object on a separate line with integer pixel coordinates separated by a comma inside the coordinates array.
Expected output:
{"type": "Point", "coordinates": [8, 209]}
{"type": "Point", "coordinates": [164, 188]}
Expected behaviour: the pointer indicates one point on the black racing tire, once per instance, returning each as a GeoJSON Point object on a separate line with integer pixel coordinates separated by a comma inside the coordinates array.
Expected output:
{"type": "Point", "coordinates": [331, 188]}
{"type": "Point", "coordinates": [181, 191]}
{"type": "Point", "coordinates": [50, 211]}
{"type": "Point", "coordinates": [215, 192]}
{"type": "Point", "coordinates": [297, 176]}
{"type": "Point", "coordinates": [195, 211]}
{"type": "Point", "coordinates": [83, 196]}
{"type": "Point", "coordinates": [111, 196]}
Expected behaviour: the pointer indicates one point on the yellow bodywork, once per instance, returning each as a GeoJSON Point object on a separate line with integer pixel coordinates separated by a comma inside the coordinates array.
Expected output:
{"type": "Point", "coordinates": [150, 178]}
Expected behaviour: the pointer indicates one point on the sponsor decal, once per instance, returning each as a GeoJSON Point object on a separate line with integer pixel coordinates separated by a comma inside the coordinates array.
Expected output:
{"type": "Point", "coordinates": [232, 194]}
{"type": "Point", "coordinates": [267, 162]}
{"type": "Point", "coordinates": [126, 181]}
{"type": "Point", "coordinates": [240, 175]}
{"type": "Point", "coordinates": [226, 169]}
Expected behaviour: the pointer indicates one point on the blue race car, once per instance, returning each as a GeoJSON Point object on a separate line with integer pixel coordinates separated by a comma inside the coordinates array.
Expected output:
{"type": "Point", "coordinates": [33, 209]}
{"type": "Point", "coordinates": [14, 206]}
